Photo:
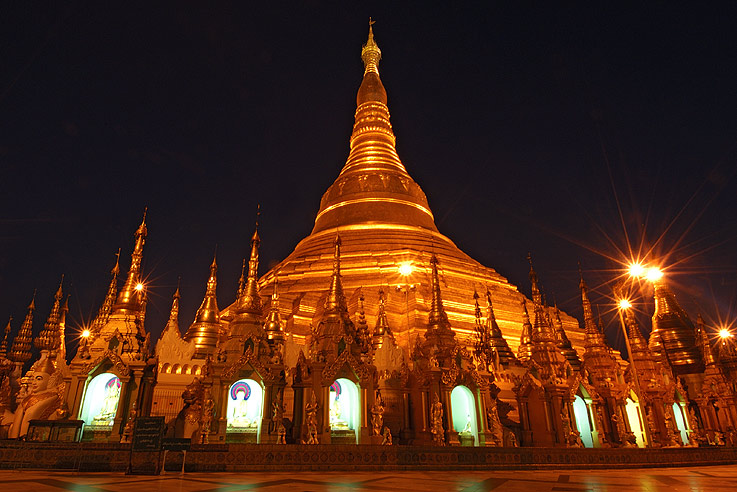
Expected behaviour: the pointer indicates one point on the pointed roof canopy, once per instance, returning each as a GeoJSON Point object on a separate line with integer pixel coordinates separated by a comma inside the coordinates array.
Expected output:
{"type": "Point", "coordinates": [249, 299]}
{"type": "Point", "coordinates": [206, 327]}
{"type": "Point", "coordinates": [374, 185]}
{"type": "Point", "coordinates": [128, 299]}
{"type": "Point", "coordinates": [21, 348]}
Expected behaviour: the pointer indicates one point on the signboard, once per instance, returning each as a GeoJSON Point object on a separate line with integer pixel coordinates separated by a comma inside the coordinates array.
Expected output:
{"type": "Point", "coordinates": [175, 444]}
{"type": "Point", "coordinates": [148, 434]}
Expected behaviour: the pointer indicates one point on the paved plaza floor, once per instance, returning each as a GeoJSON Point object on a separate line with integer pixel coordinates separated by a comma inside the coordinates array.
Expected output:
{"type": "Point", "coordinates": [645, 479]}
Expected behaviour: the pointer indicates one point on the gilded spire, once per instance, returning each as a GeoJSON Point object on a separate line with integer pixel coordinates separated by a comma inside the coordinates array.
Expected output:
{"type": "Point", "coordinates": [49, 338]}
{"type": "Point", "coordinates": [21, 349]}
{"type": "Point", "coordinates": [382, 323]}
{"type": "Point", "coordinates": [273, 326]}
{"type": "Point", "coordinates": [702, 338]}
{"type": "Point", "coordinates": [588, 314]}
{"type": "Point", "coordinates": [335, 301]}
{"type": "Point", "coordinates": [437, 319]}
{"type": "Point", "coordinates": [4, 343]}
{"type": "Point", "coordinates": [673, 334]}
{"type": "Point", "coordinates": [564, 344]}
{"type": "Point", "coordinates": [638, 344]}
{"type": "Point", "coordinates": [205, 330]}
{"type": "Point", "coordinates": [249, 300]}
{"type": "Point", "coordinates": [370, 53]}
{"type": "Point", "coordinates": [524, 352]}
{"type": "Point", "coordinates": [173, 322]}
{"type": "Point", "coordinates": [362, 329]}
{"type": "Point", "coordinates": [498, 342]}
{"type": "Point", "coordinates": [129, 297]}
{"type": "Point", "coordinates": [241, 281]}
{"type": "Point", "coordinates": [536, 296]}
{"type": "Point", "coordinates": [103, 315]}
{"type": "Point", "coordinates": [373, 186]}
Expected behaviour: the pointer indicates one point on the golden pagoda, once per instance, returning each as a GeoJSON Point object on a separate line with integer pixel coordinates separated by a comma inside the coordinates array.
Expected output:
{"type": "Point", "coordinates": [385, 222]}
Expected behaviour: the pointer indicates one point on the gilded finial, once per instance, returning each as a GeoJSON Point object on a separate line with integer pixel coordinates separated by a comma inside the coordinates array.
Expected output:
{"type": "Point", "coordinates": [249, 299]}
{"type": "Point", "coordinates": [370, 53]}
{"type": "Point", "coordinates": [437, 318]}
{"type": "Point", "coordinates": [335, 300]}
{"type": "Point", "coordinates": [21, 348]}
{"type": "Point", "coordinates": [49, 338]}
{"type": "Point", "coordinates": [273, 326]}
{"type": "Point", "coordinates": [241, 280]}
{"type": "Point", "coordinates": [205, 329]}
{"type": "Point", "coordinates": [4, 343]}
{"type": "Point", "coordinates": [129, 297]}
{"type": "Point", "coordinates": [116, 269]}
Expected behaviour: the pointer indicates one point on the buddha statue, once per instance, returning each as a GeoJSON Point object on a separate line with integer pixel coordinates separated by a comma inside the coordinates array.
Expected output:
{"type": "Point", "coordinates": [41, 400]}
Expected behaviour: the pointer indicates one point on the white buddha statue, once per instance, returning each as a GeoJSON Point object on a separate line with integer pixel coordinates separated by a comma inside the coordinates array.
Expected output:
{"type": "Point", "coordinates": [41, 400]}
{"type": "Point", "coordinates": [106, 416]}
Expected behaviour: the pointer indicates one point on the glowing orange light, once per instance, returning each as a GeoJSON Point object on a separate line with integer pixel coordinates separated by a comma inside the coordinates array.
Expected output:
{"type": "Point", "coordinates": [654, 274]}
{"type": "Point", "coordinates": [624, 304]}
{"type": "Point", "coordinates": [725, 333]}
{"type": "Point", "coordinates": [636, 270]}
{"type": "Point", "coordinates": [405, 269]}
{"type": "Point", "coordinates": [139, 287]}
{"type": "Point", "coordinates": [86, 334]}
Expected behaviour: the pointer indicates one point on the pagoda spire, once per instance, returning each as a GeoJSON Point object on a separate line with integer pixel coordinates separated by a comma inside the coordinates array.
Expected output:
{"type": "Point", "coordinates": [536, 295]}
{"type": "Point", "coordinates": [524, 351]}
{"type": "Point", "coordinates": [437, 319]}
{"type": "Point", "coordinates": [205, 330]}
{"type": "Point", "coordinates": [249, 300]}
{"type": "Point", "coordinates": [373, 186]}
{"type": "Point", "coordinates": [129, 299]}
{"type": "Point", "coordinates": [673, 335]}
{"type": "Point", "coordinates": [49, 338]}
{"type": "Point", "coordinates": [564, 343]}
{"type": "Point", "coordinates": [173, 323]}
{"type": "Point", "coordinates": [4, 343]}
{"type": "Point", "coordinates": [103, 315]}
{"type": "Point", "coordinates": [241, 281]}
{"type": "Point", "coordinates": [702, 338]}
{"type": "Point", "coordinates": [273, 326]}
{"type": "Point", "coordinates": [588, 314]}
{"type": "Point", "coordinates": [335, 301]}
{"type": "Point", "coordinates": [21, 349]}
{"type": "Point", "coordinates": [638, 344]}
{"type": "Point", "coordinates": [497, 341]}
{"type": "Point", "coordinates": [382, 323]}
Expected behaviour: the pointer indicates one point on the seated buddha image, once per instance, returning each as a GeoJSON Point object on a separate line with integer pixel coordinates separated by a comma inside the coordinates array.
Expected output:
{"type": "Point", "coordinates": [111, 396]}
{"type": "Point", "coordinates": [337, 418]}
{"type": "Point", "coordinates": [242, 411]}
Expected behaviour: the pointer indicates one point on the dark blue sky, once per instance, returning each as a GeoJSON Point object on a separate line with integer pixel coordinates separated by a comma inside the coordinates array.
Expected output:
{"type": "Point", "coordinates": [525, 128]}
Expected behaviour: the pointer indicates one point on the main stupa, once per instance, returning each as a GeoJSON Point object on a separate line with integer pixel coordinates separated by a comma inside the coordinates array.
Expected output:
{"type": "Point", "coordinates": [385, 222]}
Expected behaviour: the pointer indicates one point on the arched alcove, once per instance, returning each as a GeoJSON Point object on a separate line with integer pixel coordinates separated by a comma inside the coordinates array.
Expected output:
{"type": "Point", "coordinates": [463, 409]}
{"type": "Point", "coordinates": [679, 412]}
{"type": "Point", "coordinates": [581, 412]}
{"type": "Point", "coordinates": [344, 406]}
{"type": "Point", "coordinates": [101, 400]}
{"type": "Point", "coordinates": [634, 416]}
{"type": "Point", "coordinates": [245, 406]}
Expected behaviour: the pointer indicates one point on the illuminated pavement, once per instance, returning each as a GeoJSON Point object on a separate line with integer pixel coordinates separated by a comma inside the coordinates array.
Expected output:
{"type": "Point", "coordinates": [647, 479]}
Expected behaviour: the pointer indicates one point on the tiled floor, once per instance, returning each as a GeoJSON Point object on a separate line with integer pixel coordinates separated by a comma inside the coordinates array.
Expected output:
{"type": "Point", "coordinates": [717, 478]}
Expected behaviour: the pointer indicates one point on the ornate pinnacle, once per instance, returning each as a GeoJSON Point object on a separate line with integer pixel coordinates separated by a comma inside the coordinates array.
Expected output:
{"type": "Point", "coordinates": [524, 352]}
{"type": "Point", "coordinates": [536, 296]}
{"type": "Point", "coordinates": [249, 299]}
{"type": "Point", "coordinates": [21, 349]}
{"type": "Point", "coordinates": [437, 318]}
{"type": "Point", "coordinates": [49, 338]}
{"type": "Point", "coordinates": [702, 338]}
{"type": "Point", "coordinates": [588, 315]}
{"type": "Point", "coordinates": [241, 281]}
{"type": "Point", "coordinates": [205, 331]}
{"type": "Point", "coordinates": [273, 327]}
{"type": "Point", "coordinates": [107, 306]}
{"type": "Point", "coordinates": [382, 324]}
{"type": "Point", "coordinates": [208, 311]}
{"type": "Point", "coordinates": [335, 301]}
{"type": "Point", "coordinates": [638, 344]}
{"type": "Point", "coordinates": [173, 323]}
{"type": "Point", "coordinates": [4, 343]}
{"type": "Point", "coordinates": [370, 53]}
{"type": "Point", "coordinates": [128, 298]}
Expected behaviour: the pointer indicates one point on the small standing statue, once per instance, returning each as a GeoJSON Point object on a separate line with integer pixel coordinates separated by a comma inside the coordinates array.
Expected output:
{"type": "Point", "coordinates": [377, 414]}
{"type": "Point", "coordinates": [494, 424]}
{"type": "Point", "coordinates": [387, 437]}
{"type": "Point", "coordinates": [311, 410]}
{"type": "Point", "coordinates": [208, 407]}
{"type": "Point", "coordinates": [128, 429]}
{"type": "Point", "coordinates": [281, 433]}
{"type": "Point", "coordinates": [436, 422]}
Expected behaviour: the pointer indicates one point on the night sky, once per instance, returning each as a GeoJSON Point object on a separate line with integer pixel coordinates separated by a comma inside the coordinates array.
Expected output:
{"type": "Point", "coordinates": [528, 129]}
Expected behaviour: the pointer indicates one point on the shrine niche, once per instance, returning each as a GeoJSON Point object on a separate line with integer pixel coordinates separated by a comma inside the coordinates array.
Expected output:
{"type": "Point", "coordinates": [635, 420]}
{"type": "Point", "coordinates": [463, 409]}
{"type": "Point", "coordinates": [100, 404]}
{"type": "Point", "coordinates": [345, 409]}
{"type": "Point", "coordinates": [244, 410]}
